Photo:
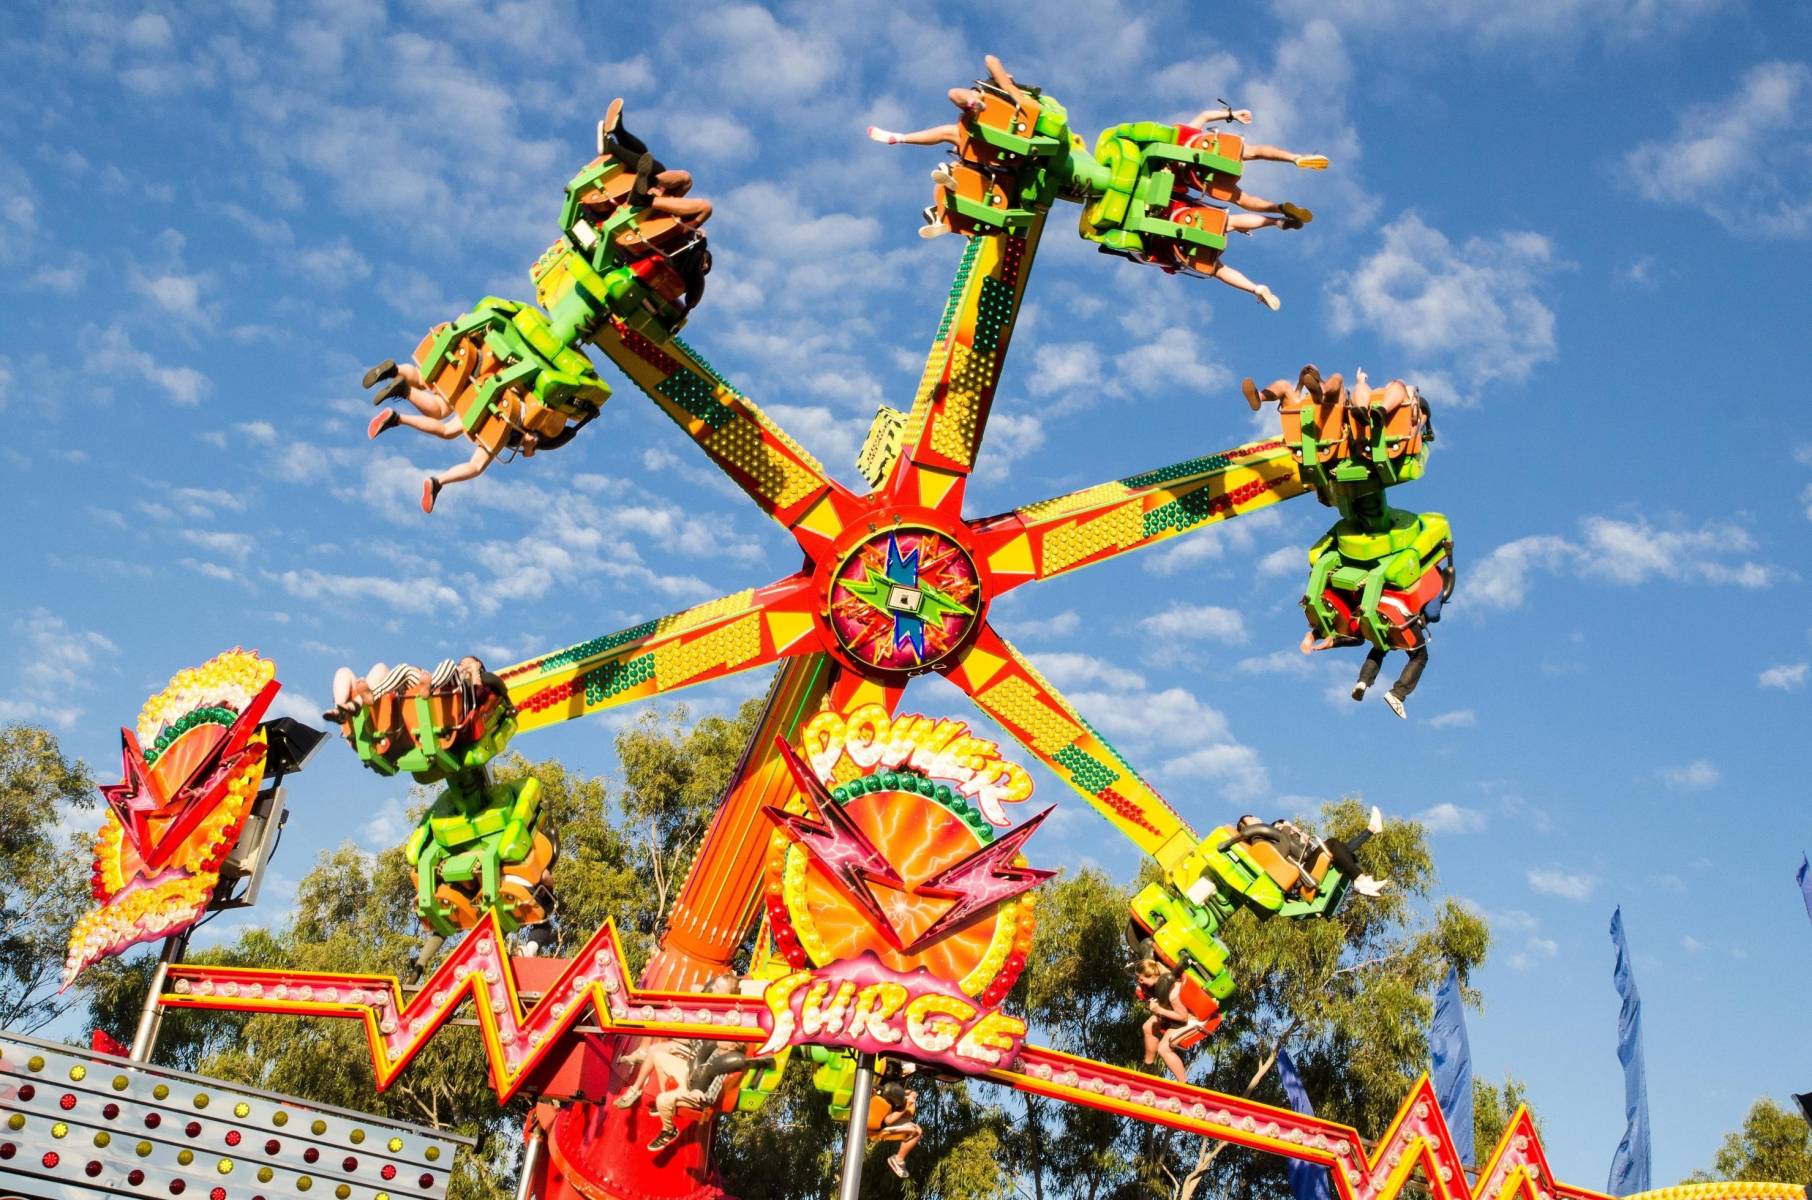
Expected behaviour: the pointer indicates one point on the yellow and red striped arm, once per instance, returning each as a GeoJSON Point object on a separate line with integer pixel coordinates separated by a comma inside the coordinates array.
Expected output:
{"type": "Point", "coordinates": [1009, 689]}
{"type": "Point", "coordinates": [949, 413]}
{"type": "Point", "coordinates": [745, 443]}
{"type": "Point", "coordinates": [733, 633]}
{"type": "Point", "coordinates": [719, 899]}
{"type": "Point", "coordinates": [1097, 523]}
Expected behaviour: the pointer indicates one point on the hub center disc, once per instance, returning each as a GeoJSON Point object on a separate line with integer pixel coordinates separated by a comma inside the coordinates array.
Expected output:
{"type": "Point", "coordinates": [905, 599]}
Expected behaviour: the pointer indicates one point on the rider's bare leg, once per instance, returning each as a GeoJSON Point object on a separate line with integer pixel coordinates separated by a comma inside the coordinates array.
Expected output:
{"type": "Point", "coordinates": [446, 428]}
{"type": "Point", "coordinates": [472, 468]}
{"type": "Point", "coordinates": [690, 209]}
{"type": "Point", "coordinates": [937, 135]}
{"type": "Point", "coordinates": [1234, 278]}
{"type": "Point", "coordinates": [1265, 153]}
{"type": "Point", "coordinates": [1247, 222]}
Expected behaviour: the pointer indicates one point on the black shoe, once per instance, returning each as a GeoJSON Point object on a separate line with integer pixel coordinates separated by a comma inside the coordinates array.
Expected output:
{"type": "Point", "coordinates": [430, 493]}
{"type": "Point", "coordinates": [399, 387]}
{"type": "Point", "coordinates": [1359, 690]}
{"type": "Point", "coordinates": [645, 171]}
{"type": "Point", "coordinates": [383, 370]}
{"type": "Point", "coordinates": [663, 1139]}
{"type": "Point", "coordinates": [1310, 382]}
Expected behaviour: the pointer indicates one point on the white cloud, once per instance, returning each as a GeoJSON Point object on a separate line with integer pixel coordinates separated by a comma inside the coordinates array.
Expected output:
{"type": "Point", "coordinates": [1691, 944]}
{"type": "Point", "coordinates": [1788, 677]}
{"type": "Point", "coordinates": [1693, 776]}
{"type": "Point", "coordinates": [1285, 560]}
{"type": "Point", "coordinates": [1196, 623]}
{"type": "Point", "coordinates": [1471, 312]}
{"type": "Point", "coordinates": [1062, 624]}
{"type": "Point", "coordinates": [176, 294]}
{"type": "Point", "coordinates": [1459, 718]}
{"type": "Point", "coordinates": [1557, 881]}
{"type": "Point", "coordinates": [1065, 369]}
{"type": "Point", "coordinates": [1187, 738]}
{"type": "Point", "coordinates": [1278, 662]}
{"type": "Point", "coordinates": [236, 546]}
{"type": "Point", "coordinates": [1533, 952]}
{"type": "Point", "coordinates": [402, 594]}
{"type": "Point", "coordinates": [1760, 135]}
{"type": "Point", "coordinates": [1447, 817]}
{"type": "Point", "coordinates": [1533, 27]}
{"type": "Point", "coordinates": [111, 354]}
{"type": "Point", "coordinates": [333, 265]}
{"type": "Point", "coordinates": [1619, 552]}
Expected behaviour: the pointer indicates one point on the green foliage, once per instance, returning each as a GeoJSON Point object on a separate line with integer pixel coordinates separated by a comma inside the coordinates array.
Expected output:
{"type": "Point", "coordinates": [1493, 1104]}
{"type": "Point", "coordinates": [1774, 1145]}
{"type": "Point", "coordinates": [43, 876]}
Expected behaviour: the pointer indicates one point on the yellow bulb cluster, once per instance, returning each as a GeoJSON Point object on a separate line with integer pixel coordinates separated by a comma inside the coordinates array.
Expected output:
{"type": "Point", "coordinates": [136, 918]}
{"type": "Point", "coordinates": [1734, 1190]}
{"type": "Point", "coordinates": [229, 679]}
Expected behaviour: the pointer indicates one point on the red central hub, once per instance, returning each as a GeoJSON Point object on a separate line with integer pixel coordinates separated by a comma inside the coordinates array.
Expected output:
{"type": "Point", "coordinates": [903, 596]}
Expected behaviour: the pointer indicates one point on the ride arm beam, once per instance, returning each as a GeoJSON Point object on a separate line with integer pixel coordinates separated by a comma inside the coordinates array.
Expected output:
{"type": "Point", "coordinates": [1009, 689]}
{"type": "Point", "coordinates": [720, 897]}
{"type": "Point", "coordinates": [726, 636]}
{"type": "Point", "coordinates": [1109, 519]}
{"type": "Point", "coordinates": [949, 412]}
{"type": "Point", "coordinates": [779, 474]}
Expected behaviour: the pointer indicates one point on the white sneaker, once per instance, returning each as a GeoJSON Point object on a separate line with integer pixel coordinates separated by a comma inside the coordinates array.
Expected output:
{"type": "Point", "coordinates": [1376, 823]}
{"type": "Point", "coordinates": [899, 1168]}
{"type": "Point", "coordinates": [943, 178]}
{"type": "Point", "coordinates": [1365, 885]}
{"type": "Point", "coordinates": [1396, 705]}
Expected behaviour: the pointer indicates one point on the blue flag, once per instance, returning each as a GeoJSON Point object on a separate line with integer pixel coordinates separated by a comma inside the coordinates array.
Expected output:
{"type": "Point", "coordinates": [1630, 1165]}
{"type": "Point", "coordinates": [1452, 1057]}
{"type": "Point", "coordinates": [1307, 1181]}
{"type": "Point", "coordinates": [1805, 884]}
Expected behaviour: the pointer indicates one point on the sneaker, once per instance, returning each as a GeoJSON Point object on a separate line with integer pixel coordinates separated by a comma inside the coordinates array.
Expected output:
{"type": "Point", "coordinates": [1313, 162]}
{"type": "Point", "coordinates": [933, 226]}
{"type": "Point", "coordinates": [899, 1168]}
{"type": "Point", "coordinates": [1396, 704]}
{"type": "Point", "coordinates": [663, 1139]}
{"type": "Point", "coordinates": [1250, 391]}
{"type": "Point", "coordinates": [1359, 691]}
{"type": "Point", "coordinates": [626, 1100]}
{"type": "Point", "coordinates": [430, 493]}
{"type": "Point", "coordinates": [613, 117]}
{"type": "Point", "coordinates": [382, 371]}
{"type": "Point", "coordinates": [384, 420]}
{"type": "Point", "coordinates": [943, 178]}
{"type": "Point", "coordinates": [1296, 216]}
{"type": "Point", "coordinates": [1268, 298]}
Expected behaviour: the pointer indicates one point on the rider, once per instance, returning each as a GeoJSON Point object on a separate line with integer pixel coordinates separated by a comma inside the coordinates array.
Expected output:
{"type": "Point", "coordinates": [891, 1116]}
{"type": "Point", "coordinates": [711, 1063]}
{"type": "Point", "coordinates": [1158, 988]}
{"type": "Point", "coordinates": [436, 417]}
{"type": "Point", "coordinates": [656, 186]}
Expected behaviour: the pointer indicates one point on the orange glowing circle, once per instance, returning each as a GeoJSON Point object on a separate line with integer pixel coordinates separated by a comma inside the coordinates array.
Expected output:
{"type": "Point", "coordinates": [920, 838]}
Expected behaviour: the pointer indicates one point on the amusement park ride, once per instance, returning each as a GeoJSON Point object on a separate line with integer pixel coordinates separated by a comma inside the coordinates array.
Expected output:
{"type": "Point", "coordinates": [875, 855]}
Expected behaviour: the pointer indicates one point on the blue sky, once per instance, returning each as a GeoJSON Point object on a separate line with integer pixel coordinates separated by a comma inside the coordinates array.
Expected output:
{"type": "Point", "coordinates": [1581, 225]}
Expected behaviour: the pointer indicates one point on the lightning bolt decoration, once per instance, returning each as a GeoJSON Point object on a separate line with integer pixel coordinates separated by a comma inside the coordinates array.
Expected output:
{"type": "Point", "coordinates": [1418, 1144]}
{"type": "Point", "coordinates": [838, 843]}
{"type": "Point", "coordinates": [980, 881]}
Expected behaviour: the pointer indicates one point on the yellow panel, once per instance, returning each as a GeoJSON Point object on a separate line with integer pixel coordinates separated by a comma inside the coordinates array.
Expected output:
{"type": "Point", "coordinates": [822, 519]}
{"type": "Point", "coordinates": [1014, 558]}
{"type": "Point", "coordinates": [692, 618]}
{"type": "Point", "coordinates": [777, 479]}
{"type": "Point", "coordinates": [1021, 703]}
{"type": "Point", "coordinates": [786, 628]}
{"type": "Point", "coordinates": [737, 642]}
{"type": "Point", "coordinates": [1101, 493]}
{"type": "Point", "coordinates": [1070, 544]}
{"type": "Point", "coordinates": [953, 435]}
{"type": "Point", "coordinates": [934, 485]}
{"type": "Point", "coordinates": [979, 666]}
